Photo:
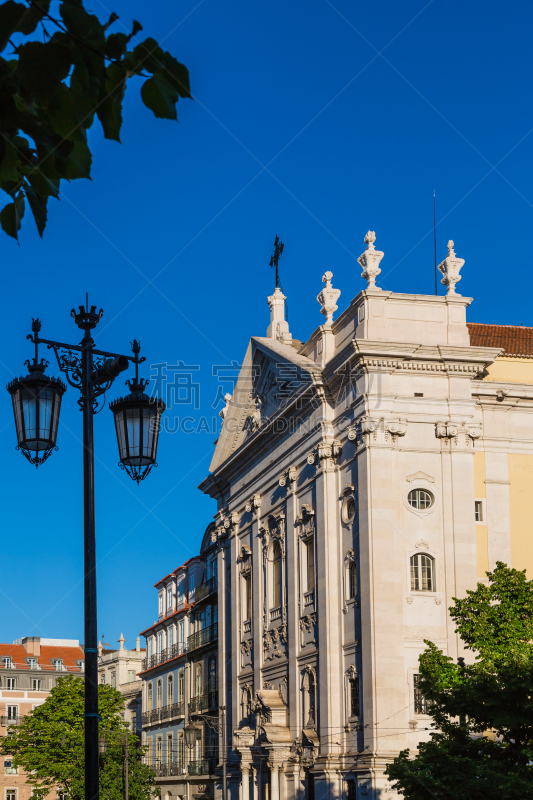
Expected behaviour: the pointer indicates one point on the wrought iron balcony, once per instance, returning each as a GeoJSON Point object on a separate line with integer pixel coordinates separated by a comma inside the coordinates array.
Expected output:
{"type": "Point", "coordinates": [173, 768]}
{"type": "Point", "coordinates": [201, 638]}
{"type": "Point", "coordinates": [5, 721]}
{"type": "Point", "coordinates": [204, 767]}
{"type": "Point", "coordinates": [205, 589]}
{"type": "Point", "coordinates": [165, 655]}
{"type": "Point", "coordinates": [203, 702]}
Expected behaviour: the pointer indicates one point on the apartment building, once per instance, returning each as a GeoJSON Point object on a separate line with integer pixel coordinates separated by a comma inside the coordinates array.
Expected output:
{"type": "Point", "coordinates": [29, 669]}
{"type": "Point", "coordinates": [119, 669]}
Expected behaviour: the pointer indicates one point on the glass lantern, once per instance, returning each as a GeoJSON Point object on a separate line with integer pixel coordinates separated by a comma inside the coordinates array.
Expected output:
{"type": "Point", "coordinates": [137, 422]}
{"type": "Point", "coordinates": [36, 405]}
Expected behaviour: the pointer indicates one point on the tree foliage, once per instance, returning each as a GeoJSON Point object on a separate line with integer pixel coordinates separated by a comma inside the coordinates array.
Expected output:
{"type": "Point", "coordinates": [483, 712]}
{"type": "Point", "coordinates": [49, 746]}
{"type": "Point", "coordinates": [51, 91]}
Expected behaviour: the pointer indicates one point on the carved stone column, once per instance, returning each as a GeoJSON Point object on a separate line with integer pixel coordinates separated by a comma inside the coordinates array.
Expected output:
{"type": "Point", "coordinates": [274, 780]}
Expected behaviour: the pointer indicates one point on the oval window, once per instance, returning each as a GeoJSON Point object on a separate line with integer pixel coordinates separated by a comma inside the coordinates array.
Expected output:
{"type": "Point", "coordinates": [348, 509]}
{"type": "Point", "coordinates": [420, 499]}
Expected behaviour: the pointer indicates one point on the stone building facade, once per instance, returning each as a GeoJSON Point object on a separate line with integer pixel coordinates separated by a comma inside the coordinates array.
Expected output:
{"type": "Point", "coordinates": [363, 479]}
{"type": "Point", "coordinates": [119, 669]}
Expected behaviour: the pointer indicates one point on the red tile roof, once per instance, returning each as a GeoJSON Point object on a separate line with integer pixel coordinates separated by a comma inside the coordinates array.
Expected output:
{"type": "Point", "coordinates": [515, 339]}
{"type": "Point", "coordinates": [184, 607]}
{"type": "Point", "coordinates": [69, 655]}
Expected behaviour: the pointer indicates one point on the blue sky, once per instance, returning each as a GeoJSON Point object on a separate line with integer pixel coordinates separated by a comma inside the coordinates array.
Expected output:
{"type": "Point", "coordinates": [313, 120]}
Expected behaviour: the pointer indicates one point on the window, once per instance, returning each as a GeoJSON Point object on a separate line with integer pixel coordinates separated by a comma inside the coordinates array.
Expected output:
{"type": "Point", "coordinates": [159, 693]}
{"type": "Point", "coordinates": [212, 675]}
{"type": "Point", "coordinates": [422, 573]}
{"type": "Point", "coordinates": [246, 705]}
{"type": "Point", "coordinates": [169, 598]}
{"type": "Point", "coordinates": [81, 665]}
{"type": "Point", "coordinates": [114, 679]}
{"type": "Point", "coordinates": [160, 604]}
{"type": "Point", "coordinates": [58, 664]}
{"type": "Point", "coordinates": [353, 685]}
{"type": "Point", "coordinates": [150, 647]}
{"type": "Point", "coordinates": [9, 769]}
{"type": "Point", "coordinates": [149, 752]}
{"type": "Point", "coordinates": [420, 499]}
{"type": "Point", "coordinates": [32, 663]}
{"type": "Point", "coordinates": [181, 686]}
{"type": "Point", "coordinates": [131, 675]}
{"type": "Point", "coordinates": [159, 750]}
{"type": "Point", "coordinates": [170, 754]}
{"type": "Point", "coordinates": [149, 699]}
{"type": "Point", "coordinates": [170, 690]}
{"type": "Point", "coordinates": [198, 680]}
{"type": "Point", "coordinates": [159, 641]}
{"type": "Point", "coordinates": [180, 593]}
{"type": "Point", "coordinates": [310, 564]}
{"type": "Point", "coordinates": [352, 581]}
{"type": "Point", "coordinates": [248, 597]}
{"type": "Point", "coordinates": [7, 663]}
{"type": "Point", "coordinates": [421, 706]}
{"type": "Point", "coordinates": [191, 585]}
{"type": "Point", "coordinates": [276, 574]}
{"type": "Point", "coordinates": [102, 677]}
{"type": "Point", "coordinates": [348, 509]}
{"type": "Point", "coordinates": [479, 510]}
{"type": "Point", "coordinates": [309, 686]}
{"type": "Point", "coordinates": [170, 635]}
{"type": "Point", "coordinates": [181, 634]}
{"type": "Point", "coordinates": [36, 685]}
{"type": "Point", "coordinates": [11, 683]}
{"type": "Point", "coordinates": [12, 713]}
{"type": "Point", "coordinates": [181, 750]}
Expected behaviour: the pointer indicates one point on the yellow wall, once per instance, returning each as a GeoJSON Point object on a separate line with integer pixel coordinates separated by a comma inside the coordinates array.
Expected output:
{"type": "Point", "coordinates": [482, 538]}
{"type": "Point", "coordinates": [520, 490]}
{"type": "Point", "coordinates": [511, 370]}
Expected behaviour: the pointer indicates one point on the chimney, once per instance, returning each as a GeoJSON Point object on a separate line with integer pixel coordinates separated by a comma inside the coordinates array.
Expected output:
{"type": "Point", "coordinates": [138, 644]}
{"type": "Point", "coordinates": [32, 645]}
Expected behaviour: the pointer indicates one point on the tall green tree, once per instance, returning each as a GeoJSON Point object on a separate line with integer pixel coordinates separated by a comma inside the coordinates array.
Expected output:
{"type": "Point", "coordinates": [482, 748]}
{"type": "Point", "coordinates": [49, 746]}
{"type": "Point", "coordinates": [59, 73]}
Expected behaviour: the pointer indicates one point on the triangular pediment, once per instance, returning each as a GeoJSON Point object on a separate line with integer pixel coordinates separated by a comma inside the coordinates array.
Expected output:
{"type": "Point", "coordinates": [420, 476]}
{"type": "Point", "coordinates": [270, 374]}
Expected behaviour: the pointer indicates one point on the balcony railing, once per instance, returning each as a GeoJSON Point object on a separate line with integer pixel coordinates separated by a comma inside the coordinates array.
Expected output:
{"type": "Point", "coordinates": [309, 598]}
{"type": "Point", "coordinates": [171, 711]}
{"type": "Point", "coordinates": [204, 767]}
{"type": "Point", "coordinates": [201, 638]}
{"type": "Point", "coordinates": [207, 588]}
{"type": "Point", "coordinates": [4, 721]}
{"type": "Point", "coordinates": [275, 613]}
{"type": "Point", "coordinates": [247, 626]}
{"type": "Point", "coordinates": [165, 655]}
{"type": "Point", "coordinates": [203, 702]}
{"type": "Point", "coordinates": [174, 768]}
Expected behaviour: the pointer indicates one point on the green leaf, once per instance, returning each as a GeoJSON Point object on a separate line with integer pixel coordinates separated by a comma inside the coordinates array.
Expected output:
{"type": "Point", "coordinates": [8, 220]}
{"type": "Point", "coordinates": [77, 164]}
{"type": "Point", "coordinates": [177, 73]}
{"type": "Point", "coordinates": [136, 28]}
{"type": "Point", "coordinates": [43, 185]}
{"type": "Point", "coordinates": [42, 67]}
{"type": "Point", "coordinates": [83, 25]}
{"type": "Point", "coordinates": [38, 208]}
{"type": "Point", "coordinates": [116, 45]}
{"type": "Point", "coordinates": [62, 115]}
{"type": "Point", "coordinates": [33, 16]}
{"type": "Point", "coordinates": [109, 110]}
{"type": "Point", "coordinates": [160, 96]}
{"type": "Point", "coordinates": [9, 168]}
{"type": "Point", "coordinates": [10, 15]}
{"type": "Point", "coordinates": [148, 55]}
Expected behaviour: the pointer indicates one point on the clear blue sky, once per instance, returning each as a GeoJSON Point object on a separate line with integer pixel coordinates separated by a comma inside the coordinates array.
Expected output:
{"type": "Point", "coordinates": [314, 120]}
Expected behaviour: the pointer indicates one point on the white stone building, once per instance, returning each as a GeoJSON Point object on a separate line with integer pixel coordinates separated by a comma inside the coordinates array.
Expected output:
{"type": "Point", "coordinates": [362, 481]}
{"type": "Point", "coordinates": [120, 669]}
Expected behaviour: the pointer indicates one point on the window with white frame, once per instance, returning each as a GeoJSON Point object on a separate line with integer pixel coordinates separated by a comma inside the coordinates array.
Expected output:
{"type": "Point", "coordinates": [114, 679]}
{"type": "Point", "coordinates": [12, 713]}
{"type": "Point", "coordinates": [159, 750]}
{"type": "Point", "coordinates": [159, 692]}
{"type": "Point", "coordinates": [420, 499]}
{"type": "Point", "coordinates": [181, 750]}
{"type": "Point", "coordinates": [159, 641]}
{"type": "Point", "coordinates": [150, 643]}
{"type": "Point", "coordinates": [170, 636]}
{"type": "Point", "coordinates": [7, 662]}
{"type": "Point", "coordinates": [170, 748]}
{"type": "Point", "coordinates": [11, 683]}
{"type": "Point", "coordinates": [9, 769]}
{"type": "Point", "coordinates": [32, 663]}
{"type": "Point", "coordinates": [199, 681]}
{"type": "Point", "coordinates": [131, 675]}
{"type": "Point", "coordinates": [58, 664]}
{"type": "Point", "coordinates": [478, 510]}
{"type": "Point", "coordinates": [181, 686]}
{"type": "Point", "coordinates": [81, 665]}
{"type": "Point", "coordinates": [422, 577]}
{"type": "Point", "coordinates": [191, 586]}
{"type": "Point", "coordinates": [149, 697]}
{"type": "Point", "coordinates": [180, 593]}
{"type": "Point", "coordinates": [102, 677]}
{"type": "Point", "coordinates": [170, 689]}
{"type": "Point", "coordinates": [181, 634]}
{"type": "Point", "coordinates": [161, 604]}
{"type": "Point", "coordinates": [150, 752]}
{"type": "Point", "coordinates": [169, 598]}
{"type": "Point", "coordinates": [36, 684]}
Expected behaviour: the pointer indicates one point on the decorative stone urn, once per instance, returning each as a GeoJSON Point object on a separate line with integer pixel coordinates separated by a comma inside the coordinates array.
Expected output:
{"type": "Point", "coordinates": [450, 268]}
{"type": "Point", "coordinates": [370, 260]}
{"type": "Point", "coordinates": [328, 298]}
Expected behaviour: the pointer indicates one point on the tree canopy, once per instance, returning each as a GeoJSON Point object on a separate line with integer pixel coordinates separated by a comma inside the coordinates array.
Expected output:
{"type": "Point", "coordinates": [482, 747]}
{"type": "Point", "coordinates": [49, 745]}
{"type": "Point", "coordinates": [52, 89]}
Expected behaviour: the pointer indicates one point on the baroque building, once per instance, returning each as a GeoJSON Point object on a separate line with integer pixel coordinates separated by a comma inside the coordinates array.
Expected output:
{"type": "Point", "coordinates": [363, 479]}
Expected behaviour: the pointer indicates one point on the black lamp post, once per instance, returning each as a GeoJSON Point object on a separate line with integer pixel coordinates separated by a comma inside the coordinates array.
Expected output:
{"type": "Point", "coordinates": [36, 405]}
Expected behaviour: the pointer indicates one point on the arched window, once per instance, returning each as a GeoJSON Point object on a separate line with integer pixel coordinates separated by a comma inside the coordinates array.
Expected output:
{"type": "Point", "coordinates": [310, 564]}
{"type": "Point", "coordinates": [352, 580]}
{"type": "Point", "coordinates": [309, 705]}
{"type": "Point", "coordinates": [422, 578]}
{"type": "Point", "coordinates": [420, 499]}
{"type": "Point", "coordinates": [159, 693]}
{"type": "Point", "coordinates": [149, 697]}
{"type": "Point", "coordinates": [276, 574]}
{"type": "Point", "coordinates": [246, 705]}
{"type": "Point", "coordinates": [181, 686]}
{"type": "Point", "coordinates": [170, 755]}
{"type": "Point", "coordinates": [198, 680]}
{"type": "Point", "coordinates": [212, 675]}
{"type": "Point", "coordinates": [170, 689]}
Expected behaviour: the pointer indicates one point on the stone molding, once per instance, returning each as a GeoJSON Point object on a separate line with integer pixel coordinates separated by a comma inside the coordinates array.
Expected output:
{"type": "Point", "coordinates": [288, 477]}
{"type": "Point", "coordinates": [463, 434]}
{"type": "Point", "coordinates": [253, 505]}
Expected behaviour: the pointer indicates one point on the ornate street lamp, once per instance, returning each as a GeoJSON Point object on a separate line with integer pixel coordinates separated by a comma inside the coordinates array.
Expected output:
{"type": "Point", "coordinates": [192, 734]}
{"type": "Point", "coordinates": [36, 403]}
{"type": "Point", "coordinates": [137, 419]}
